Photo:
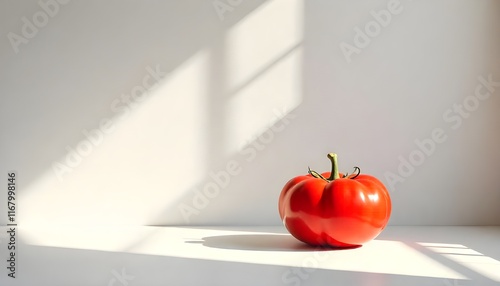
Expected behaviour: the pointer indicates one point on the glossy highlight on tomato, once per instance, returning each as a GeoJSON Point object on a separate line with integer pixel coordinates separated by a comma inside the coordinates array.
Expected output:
{"type": "Point", "coordinates": [334, 210]}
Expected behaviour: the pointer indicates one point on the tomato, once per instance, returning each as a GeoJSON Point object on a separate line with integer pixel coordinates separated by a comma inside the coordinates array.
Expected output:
{"type": "Point", "coordinates": [335, 210]}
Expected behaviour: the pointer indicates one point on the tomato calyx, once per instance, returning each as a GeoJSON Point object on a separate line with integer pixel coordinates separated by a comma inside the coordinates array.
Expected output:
{"type": "Point", "coordinates": [316, 174]}
{"type": "Point", "coordinates": [334, 174]}
{"type": "Point", "coordinates": [357, 170]}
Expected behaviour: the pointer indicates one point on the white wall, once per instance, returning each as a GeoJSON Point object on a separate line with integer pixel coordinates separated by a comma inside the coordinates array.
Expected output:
{"type": "Point", "coordinates": [225, 78]}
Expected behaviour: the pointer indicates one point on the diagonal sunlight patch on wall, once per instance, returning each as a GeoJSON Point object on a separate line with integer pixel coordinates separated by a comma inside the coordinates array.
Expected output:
{"type": "Point", "coordinates": [255, 81]}
{"type": "Point", "coordinates": [254, 108]}
{"type": "Point", "coordinates": [469, 258]}
{"type": "Point", "coordinates": [264, 63]}
{"type": "Point", "coordinates": [161, 149]}
{"type": "Point", "coordinates": [257, 39]}
{"type": "Point", "coordinates": [155, 150]}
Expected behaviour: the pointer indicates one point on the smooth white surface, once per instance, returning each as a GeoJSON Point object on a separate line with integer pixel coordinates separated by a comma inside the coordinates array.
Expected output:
{"type": "Point", "coordinates": [251, 256]}
{"type": "Point", "coordinates": [227, 78]}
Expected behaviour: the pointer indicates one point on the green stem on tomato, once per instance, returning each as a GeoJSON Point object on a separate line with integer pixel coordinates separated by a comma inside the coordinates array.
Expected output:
{"type": "Point", "coordinates": [335, 169]}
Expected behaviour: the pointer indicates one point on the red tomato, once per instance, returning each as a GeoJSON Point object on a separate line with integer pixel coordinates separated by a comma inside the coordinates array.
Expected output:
{"type": "Point", "coordinates": [334, 210]}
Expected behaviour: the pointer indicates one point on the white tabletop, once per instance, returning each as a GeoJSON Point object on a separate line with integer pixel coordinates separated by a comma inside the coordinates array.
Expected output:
{"type": "Point", "coordinates": [149, 255]}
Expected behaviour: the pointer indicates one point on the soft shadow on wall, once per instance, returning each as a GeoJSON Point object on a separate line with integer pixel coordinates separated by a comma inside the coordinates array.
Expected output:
{"type": "Point", "coordinates": [225, 83]}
